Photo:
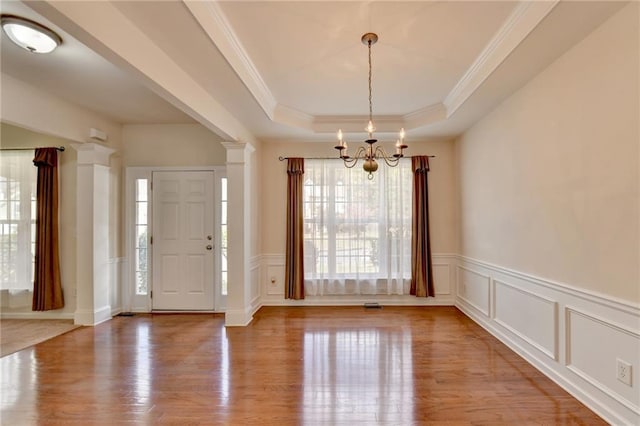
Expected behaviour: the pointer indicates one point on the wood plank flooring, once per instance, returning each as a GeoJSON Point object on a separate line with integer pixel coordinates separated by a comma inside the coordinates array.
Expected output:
{"type": "Point", "coordinates": [291, 366]}
{"type": "Point", "coordinates": [17, 334]}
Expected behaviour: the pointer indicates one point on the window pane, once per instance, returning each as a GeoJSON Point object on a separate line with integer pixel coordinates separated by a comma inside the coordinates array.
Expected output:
{"type": "Point", "coordinates": [223, 188]}
{"type": "Point", "coordinates": [223, 219]}
{"type": "Point", "coordinates": [141, 189]}
{"type": "Point", "coordinates": [141, 236]}
{"type": "Point", "coordinates": [14, 189]}
{"type": "Point", "coordinates": [14, 210]}
{"type": "Point", "coordinates": [141, 282]}
{"type": "Point", "coordinates": [141, 213]}
{"type": "Point", "coordinates": [224, 284]}
{"type": "Point", "coordinates": [223, 236]}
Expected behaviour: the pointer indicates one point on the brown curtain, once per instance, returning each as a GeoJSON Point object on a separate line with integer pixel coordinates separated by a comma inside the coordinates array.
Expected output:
{"type": "Point", "coordinates": [47, 287]}
{"type": "Point", "coordinates": [294, 268]}
{"type": "Point", "coordinates": [421, 269]}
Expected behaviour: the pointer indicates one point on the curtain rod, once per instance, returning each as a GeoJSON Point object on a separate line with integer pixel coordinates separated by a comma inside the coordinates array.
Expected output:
{"type": "Point", "coordinates": [59, 148]}
{"type": "Point", "coordinates": [338, 158]}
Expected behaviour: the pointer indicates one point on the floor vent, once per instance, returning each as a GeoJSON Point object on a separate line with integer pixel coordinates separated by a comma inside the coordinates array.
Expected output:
{"type": "Point", "coordinates": [126, 314]}
{"type": "Point", "coordinates": [372, 305]}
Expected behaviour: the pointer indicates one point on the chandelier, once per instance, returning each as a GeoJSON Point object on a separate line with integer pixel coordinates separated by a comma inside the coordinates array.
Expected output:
{"type": "Point", "coordinates": [370, 153]}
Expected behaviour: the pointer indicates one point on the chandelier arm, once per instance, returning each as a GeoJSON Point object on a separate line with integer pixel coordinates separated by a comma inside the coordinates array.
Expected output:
{"type": "Point", "coordinates": [350, 162]}
{"type": "Point", "coordinates": [388, 159]}
{"type": "Point", "coordinates": [361, 152]}
{"type": "Point", "coordinates": [353, 160]}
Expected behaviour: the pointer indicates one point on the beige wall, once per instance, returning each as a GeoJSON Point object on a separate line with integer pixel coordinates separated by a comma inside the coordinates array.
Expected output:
{"type": "Point", "coordinates": [171, 145]}
{"type": "Point", "coordinates": [28, 107]}
{"type": "Point", "coordinates": [549, 180]}
{"type": "Point", "coordinates": [442, 190]}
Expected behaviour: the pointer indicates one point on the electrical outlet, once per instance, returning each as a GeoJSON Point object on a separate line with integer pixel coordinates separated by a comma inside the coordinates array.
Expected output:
{"type": "Point", "coordinates": [623, 372]}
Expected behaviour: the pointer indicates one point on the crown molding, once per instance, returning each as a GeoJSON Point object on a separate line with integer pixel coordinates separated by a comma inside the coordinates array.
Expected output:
{"type": "Point", "coordinates": [212, 19]}
{"type": "Point", "coordinates": [357, 123]}
{"type": "Point", "coordinates": [427, 115]}
{"type": "Point", "coordinates": [524, 18]}
{"type": "Point", "coordinates": [292, 117]}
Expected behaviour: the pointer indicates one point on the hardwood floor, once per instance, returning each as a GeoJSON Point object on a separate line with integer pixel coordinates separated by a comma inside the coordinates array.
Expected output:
{"type": "Point", "coordinates": [17, 334]}
{"type": "Point", "coordinates": [311, 366]}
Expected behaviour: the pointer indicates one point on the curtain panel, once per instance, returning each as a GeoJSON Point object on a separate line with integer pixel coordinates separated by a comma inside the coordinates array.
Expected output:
{"type": "Point", "coordinates": [294, 258]}
{"type": "Point", "coordinates": [357, 231]}
{"type": "Point", "coordinates": [421, 267]}
{"type": "Point", "coordinates": [47, 286]}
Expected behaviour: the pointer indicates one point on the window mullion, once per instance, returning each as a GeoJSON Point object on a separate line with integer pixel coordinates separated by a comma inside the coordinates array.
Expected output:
{"type": "Point", "coordinates": [24, 231]}
{"type": "Point", "coordinates": [384, 220]}
{"type": "Point", "coordinates": [329, 186]}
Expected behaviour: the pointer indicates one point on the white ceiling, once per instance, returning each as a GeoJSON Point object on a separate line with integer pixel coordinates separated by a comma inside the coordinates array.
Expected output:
{"type": "Point", "coordinates": [312, 59]}
{"type": "Point", "coordinates": [297, 69]}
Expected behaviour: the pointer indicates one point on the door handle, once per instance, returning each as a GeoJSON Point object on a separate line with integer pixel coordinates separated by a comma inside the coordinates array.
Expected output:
{"type": "Point", "coordinates": [209, 247]}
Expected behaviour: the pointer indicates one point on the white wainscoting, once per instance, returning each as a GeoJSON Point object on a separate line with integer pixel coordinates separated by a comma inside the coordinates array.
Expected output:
{"type": "Point", "coordinates": [573, 336]}
{"type": "Point", "coordinates": [272, 286]}
{"type": "Point", "coordinates": [513, 309]}
{"type": "Point", "coordinates": [254, 277]}
{"type": "Point", "coordinates": [474, 289]}
{"type": "Point", "coordinates": [116, 276]}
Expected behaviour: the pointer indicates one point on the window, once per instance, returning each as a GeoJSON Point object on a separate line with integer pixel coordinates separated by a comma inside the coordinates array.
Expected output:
{"type": "Point", "coordinates": [17, 220]}
{"type": "Point", "coordinates": [357, 231]}
{"type": "Point", "coordinates": [223, 236]}
{"type": "Point", "coordinates": [142, 236]}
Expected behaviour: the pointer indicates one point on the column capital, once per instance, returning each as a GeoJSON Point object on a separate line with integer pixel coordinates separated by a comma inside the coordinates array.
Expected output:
{"type": "Point", "coordinates": [238, 152]}
{"type": "Point", "coordinates": [93, 153]}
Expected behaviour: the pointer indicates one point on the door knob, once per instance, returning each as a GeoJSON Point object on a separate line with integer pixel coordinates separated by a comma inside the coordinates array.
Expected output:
{"type": "Point", "coordinates": [209, 247]}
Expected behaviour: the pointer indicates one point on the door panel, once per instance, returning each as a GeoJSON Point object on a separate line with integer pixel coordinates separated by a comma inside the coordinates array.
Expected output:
{"type": "Point", "coordinates": [183, 256]}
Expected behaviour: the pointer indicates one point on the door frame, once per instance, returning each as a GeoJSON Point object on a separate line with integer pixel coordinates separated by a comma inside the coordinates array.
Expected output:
{"type": "Point", "coordinates": [132, 302]}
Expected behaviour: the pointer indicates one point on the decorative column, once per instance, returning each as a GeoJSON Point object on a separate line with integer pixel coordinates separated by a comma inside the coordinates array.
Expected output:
{"type": "Point", "coordinates": [92, 234]}
{"type": "Point", "coordinates": [239, 311]}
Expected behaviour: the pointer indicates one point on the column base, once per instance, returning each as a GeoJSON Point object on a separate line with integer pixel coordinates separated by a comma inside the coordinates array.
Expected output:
{"type": "Point", "coordinates": [90, 317]}
{"type": "Point", "coordinates": [237, 317]}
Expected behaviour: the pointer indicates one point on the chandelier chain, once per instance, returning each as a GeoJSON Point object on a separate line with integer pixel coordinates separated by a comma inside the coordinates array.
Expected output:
{"type": "Point", "coordinates": [370, 104]}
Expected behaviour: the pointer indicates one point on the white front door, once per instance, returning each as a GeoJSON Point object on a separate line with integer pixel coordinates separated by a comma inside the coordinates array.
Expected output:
{"type": "Point", "coordinates": [183, 240]}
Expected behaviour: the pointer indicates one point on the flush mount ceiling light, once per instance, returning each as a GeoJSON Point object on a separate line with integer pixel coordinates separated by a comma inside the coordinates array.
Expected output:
{"type": "Point", "coordinates": [368, 153]}
{"type": "Point", "coordinates": [30, 35]}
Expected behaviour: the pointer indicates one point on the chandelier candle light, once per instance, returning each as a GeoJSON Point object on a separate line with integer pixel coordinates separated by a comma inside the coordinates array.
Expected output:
{"type": "Point", "coordinates": [369, 153]}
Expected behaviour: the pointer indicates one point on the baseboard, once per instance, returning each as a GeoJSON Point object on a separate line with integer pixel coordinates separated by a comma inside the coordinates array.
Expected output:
{"type": "Point", "coordinates": [360, 300]}
{"type": "Point", "coordinates": [91, 318]}
{"type": "Point", "coordinates": [37, 315]}
{"type": "Point", "coordinates": [239, 317]}
{"type": "Point", "coordinates": [576, 338]}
